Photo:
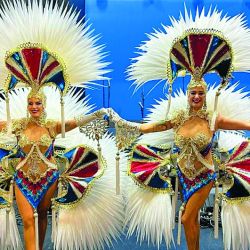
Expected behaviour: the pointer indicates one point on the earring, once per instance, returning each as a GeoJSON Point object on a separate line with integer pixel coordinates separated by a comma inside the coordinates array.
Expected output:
{"type": "Point", "coordinates": [44, 114]}
{"type": "Point", "coordinates": [204, 107]}
{"type": "Point", "coordinates": [188, 108]}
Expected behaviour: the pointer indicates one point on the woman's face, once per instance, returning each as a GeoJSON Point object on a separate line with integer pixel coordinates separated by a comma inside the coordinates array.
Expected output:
{"type": "Point", "coordinates": [196, 98]}
{"type": "Point", "coordinates": [35, 107]}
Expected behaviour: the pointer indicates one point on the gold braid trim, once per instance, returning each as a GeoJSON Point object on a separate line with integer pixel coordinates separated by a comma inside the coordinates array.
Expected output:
{"type": "Point", "coordinates": [234, 201]}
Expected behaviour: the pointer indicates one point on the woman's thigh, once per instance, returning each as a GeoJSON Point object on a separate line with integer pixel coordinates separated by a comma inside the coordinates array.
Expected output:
{"type": "Point", "coordinates": [46, 200]}
{"type": "Point", "coordinates": [196, 201]}
{"type": "Point", "coordinates": [25, 209]}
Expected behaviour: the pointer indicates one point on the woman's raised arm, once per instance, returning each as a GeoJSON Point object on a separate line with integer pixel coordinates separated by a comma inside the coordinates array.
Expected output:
{"type": "Point", "coordinates": [142, 128]}
{"type": "Point", "coordinates": [155, 127]}
{"type": "Point", "coordinates": [3, 125]}
{"type": "Point", "coordinates": [81, 120]}
{"type": "Point", "coordinates": [231, 124]}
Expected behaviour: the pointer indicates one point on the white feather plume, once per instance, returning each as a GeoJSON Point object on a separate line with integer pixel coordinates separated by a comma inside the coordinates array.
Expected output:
{"type": "Point", "coordinates": [15, 240]}
{"type": "Point", "coordinates": [155, 52]}
{"type": "Point", "coordinates": [227, 140]}
{"type": "Point", "coordinates": [75, 104]}
{"type": "Point", "coordinates": [148, 215]}
{"type": "Point", "coordinates": [236, 225]}
{"type": "Point", "coordinates": [98, 218]}
{"type": "Point", "coordinates": [57, 28]}
{"type": "Point", "coordinates": [233, 103]}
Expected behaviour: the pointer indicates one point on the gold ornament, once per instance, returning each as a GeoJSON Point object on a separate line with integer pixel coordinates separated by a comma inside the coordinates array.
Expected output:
{"type": "Point", "coordinates": [39, 94]}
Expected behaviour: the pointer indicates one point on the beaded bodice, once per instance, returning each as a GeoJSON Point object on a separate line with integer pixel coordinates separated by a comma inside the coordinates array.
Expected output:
{"type": "Point", "coordinates": [35, 153]}
{"type": "Point", "coordinates": [191, 148]}
{"type": "Point", "coordinates": [45, 140]}
{"type": "Point", "coordinates": [200, 141]}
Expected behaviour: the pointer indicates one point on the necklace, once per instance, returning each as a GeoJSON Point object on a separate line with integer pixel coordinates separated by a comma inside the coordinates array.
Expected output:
{"type": "Point", "coordinates": [201, 113]}
{"type": "Point", "coordinates": [41, 120]}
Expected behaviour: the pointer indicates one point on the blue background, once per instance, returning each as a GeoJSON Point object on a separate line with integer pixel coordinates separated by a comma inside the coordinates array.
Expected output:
{"type": "Point", "coordinates": [122, 25]}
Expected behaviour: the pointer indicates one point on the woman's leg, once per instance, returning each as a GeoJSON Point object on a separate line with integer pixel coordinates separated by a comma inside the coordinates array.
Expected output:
{"type": "Point", "coordinates": [190, 216]}
{"type": "Point", "coordinates": [42, 213]}
{"type": "Point", "coordinates": [27, 213]}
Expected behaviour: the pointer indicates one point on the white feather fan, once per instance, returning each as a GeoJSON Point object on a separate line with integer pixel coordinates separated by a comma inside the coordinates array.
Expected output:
{"type": "Point", "coordinates": [58, 29]}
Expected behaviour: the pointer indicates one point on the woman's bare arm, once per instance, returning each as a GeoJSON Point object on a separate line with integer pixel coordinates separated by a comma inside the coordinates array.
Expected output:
{"type": "Point", "coordinates": [231, 124]}
{"type": "Point", "coordinates": [155, 127]}
{"type": "Point", "coordinates": [69, 125]}
{"type": "Point", "coordinates": [3, 125]}
{"type": "Point", "coordinates": [142, 128]}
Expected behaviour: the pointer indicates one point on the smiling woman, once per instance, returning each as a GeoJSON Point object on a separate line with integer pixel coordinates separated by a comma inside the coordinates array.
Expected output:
{"type": "Point", "coordinates": [200, 45]}
{"type": "Point", "coordinates": [196, 97]}
{"type": "Point", "coordinates": [54, 52]}
{"type": "Point", "coordinates": [35, 107]}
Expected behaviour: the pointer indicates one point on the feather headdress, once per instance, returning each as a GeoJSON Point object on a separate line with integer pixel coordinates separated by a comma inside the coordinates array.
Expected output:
{"type": "Point", "coordinates": [205, 43]}
{"type": "Point", "coordinates": [47, 45]}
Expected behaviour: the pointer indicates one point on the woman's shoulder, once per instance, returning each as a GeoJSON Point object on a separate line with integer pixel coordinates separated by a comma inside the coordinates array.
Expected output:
{"type": "Point", "coordinates": [177, 117]}
{"type": "Point", "coordinates": [51, 123]}
{"type": "Point", "coordinates": [19, 124]}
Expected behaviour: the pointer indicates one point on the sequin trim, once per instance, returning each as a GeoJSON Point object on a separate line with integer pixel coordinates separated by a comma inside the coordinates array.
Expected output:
{"type": "Point", "coordinates": [189, 187]}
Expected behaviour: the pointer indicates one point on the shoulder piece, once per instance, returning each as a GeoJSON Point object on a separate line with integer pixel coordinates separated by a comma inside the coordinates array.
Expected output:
{"type": "Point", "coordinates": [177, 118]}
{"type": "Point", "coordinates": [19, 125]}
{"type": "Point", "coordinates": [51, 126]}
{"type": "Point", "coordinates": [50, 123]}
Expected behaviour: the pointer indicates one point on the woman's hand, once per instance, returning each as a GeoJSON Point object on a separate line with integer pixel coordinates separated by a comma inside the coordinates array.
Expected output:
{"type": "Point", "coordinates": [126, 132]}
{"type": "Point", "coordinates": [83, 120]}
{"type": "Point", "coordinates": [113, 116]}
{"type": "Point", "coordinates": [100, 113]}
{"type": "Point", "coordinates": [120, 122]}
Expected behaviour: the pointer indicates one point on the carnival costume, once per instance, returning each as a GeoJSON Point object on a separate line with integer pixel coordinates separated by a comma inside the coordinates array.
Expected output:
{"type": "Point", "coordinates": [48, 51]}
{"type": "Point", "coordinates": [206, 43]}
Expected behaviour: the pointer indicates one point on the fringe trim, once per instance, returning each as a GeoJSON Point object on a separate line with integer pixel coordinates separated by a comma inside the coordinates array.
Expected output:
{"type": "Point", "coordinates": [236, 225]}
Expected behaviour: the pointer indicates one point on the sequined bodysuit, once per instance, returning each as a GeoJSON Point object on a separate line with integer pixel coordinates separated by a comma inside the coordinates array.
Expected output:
{"type": "Point", "coordinates": [193, 169]}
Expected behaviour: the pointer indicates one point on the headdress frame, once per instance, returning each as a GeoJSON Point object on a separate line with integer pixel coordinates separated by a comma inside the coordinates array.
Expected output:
{"type": "Point", "coordinates": [201, 51]}
{"type": "Point", "coordinates": [32, 65]}
{"type": "Point", "coordinates": [193, 45]}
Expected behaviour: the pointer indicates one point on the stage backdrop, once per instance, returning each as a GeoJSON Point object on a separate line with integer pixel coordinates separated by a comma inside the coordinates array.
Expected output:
{"type": "Point", "coordinates": [123, 25]}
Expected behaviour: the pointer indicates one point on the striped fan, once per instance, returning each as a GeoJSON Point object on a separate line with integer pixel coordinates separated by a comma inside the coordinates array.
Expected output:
{"type": "Point", "coordinates": [235, 214]}
{"type": "Point", "coordinates": [239, 167]}
{"type": "Point", "coordinates": [148, 167]}
{"type": "Point", "coordinates": [82, 169]}
{"type": "Point", "coordinates": [33, 65]}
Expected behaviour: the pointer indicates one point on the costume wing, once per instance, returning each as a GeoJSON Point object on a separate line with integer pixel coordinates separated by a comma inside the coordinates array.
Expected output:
{"type": "Point", "coordinates": [236, 192]}
{"type": "Point", "coordinates": [11, 236]}
{"type": "Point", "coordinates": [238, 166]}
{"type": "Point", "coordinates": [149, 167]}
{"type": "Point", "coordinates": [148, 209]}
{"type": "Point", "coordinates": [96, 219]}
{"type": "Point", "coordinates": [82, 168]}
